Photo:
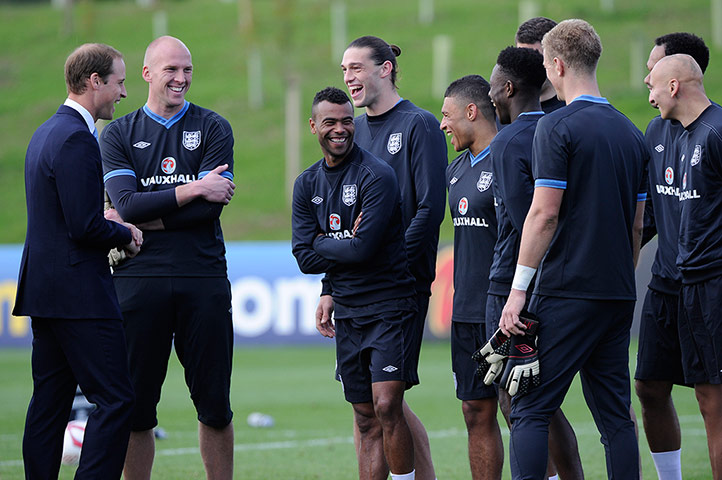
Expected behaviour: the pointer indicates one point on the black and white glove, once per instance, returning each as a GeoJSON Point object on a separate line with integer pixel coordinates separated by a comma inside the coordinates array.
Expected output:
{"type": "Point", "coordinates": [522, 366]}
{"type": "Point", "coordinates": [491, 357]}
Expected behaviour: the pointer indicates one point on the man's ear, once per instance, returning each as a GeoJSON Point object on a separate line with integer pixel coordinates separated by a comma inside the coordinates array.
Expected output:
{"type": "Point", "coordinates": [472, 111]}
{"type": "Point", "coordinates": [509, 88]}
{"type": "Point", "coordinates": [146, 73]}
{"type": "Point", "coordinates": [386, 68]}
{"type": "Point", "coordinates": [559, 66]}
{"type": "Point", "coordinates": [94, 81]}
{"type": "Point", "coordinates": [312, 124]}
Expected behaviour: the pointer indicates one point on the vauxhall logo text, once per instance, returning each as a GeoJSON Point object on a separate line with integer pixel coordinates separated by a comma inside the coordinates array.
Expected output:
{"type": "Point", "coordinates": [167, 179]}
{"type": "Point", "coordinates": [667, 190]}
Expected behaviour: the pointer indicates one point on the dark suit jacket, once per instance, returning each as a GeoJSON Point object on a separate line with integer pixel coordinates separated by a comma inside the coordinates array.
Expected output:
{"type": "Point", "coordinates": [64, 271]}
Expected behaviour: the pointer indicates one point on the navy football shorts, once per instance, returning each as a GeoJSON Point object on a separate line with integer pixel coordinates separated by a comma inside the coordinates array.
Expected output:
{"type": "Point", "coordinates": [369, 351]}
{"type": "Point", "coordinates": [413, 335]}
{"type": "Point", "coordinates": [494, 306]}
{"type": "Point", "coordinates": [659, 356]}
{"type": "Point", "coordinates": [700, 331]}
{"type": "Point", "coordinates": [466, 338]}
{"type": "Point", "coordinates": [194, 313]}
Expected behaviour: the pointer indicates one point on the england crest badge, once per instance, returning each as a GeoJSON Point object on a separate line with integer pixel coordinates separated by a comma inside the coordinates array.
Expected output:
{"type": "Point", "coordinates": [696, 156]}
{"type": "Point", "coordinates": [349, 195]}
{"type": "Point", "coordinates": [394, 144]}
{"type": "Point", "coordinates": [191, 140]}
{"type": "Point", "coordinates": [484, 181]}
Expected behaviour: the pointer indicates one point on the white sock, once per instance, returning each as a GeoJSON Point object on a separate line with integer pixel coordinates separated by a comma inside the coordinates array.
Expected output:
{"type": "Point", "coordinates": [406, 476]}
{"type": "Point", "coordinates": [668, 464]}
{"type": "Point", "coordinates": [554, 477]}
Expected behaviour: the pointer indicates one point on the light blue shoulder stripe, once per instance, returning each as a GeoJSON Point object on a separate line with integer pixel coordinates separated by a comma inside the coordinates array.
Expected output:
{"type": "Point", "coordinates": [225, 174]}
{"type": "Point", "coordinates": [118, 173]}
{"type": "Point", "coordinates": [547, 182]}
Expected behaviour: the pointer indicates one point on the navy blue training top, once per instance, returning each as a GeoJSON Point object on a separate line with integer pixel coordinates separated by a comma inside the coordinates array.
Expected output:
{"type": "Point", "coordinates": [365, 269]}
{"type": "Point", "coordinates": [471, 204]}
{"type": "Point", "coordinates": [661, 212]}
{"type": "Point", "coordinates": [700, 165]}
{"type": "Point", "coordinates": [511, 153]}
{"type": "Point", "coordinates": [409, 139]}
{"type": "Point", "coordinates": [146, 156]}
{"type": "Point", "coordinates": [599, 158]}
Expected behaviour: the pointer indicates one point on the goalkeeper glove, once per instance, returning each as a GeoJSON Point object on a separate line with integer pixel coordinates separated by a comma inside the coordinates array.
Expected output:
{"type": "Point", "coordinates": [491, 357]}
{"type": "Point", "coordinates": [522, 367]}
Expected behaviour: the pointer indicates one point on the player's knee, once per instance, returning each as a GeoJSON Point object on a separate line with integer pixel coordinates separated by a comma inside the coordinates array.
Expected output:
{"type": "Point", "coordinates": [709, 398]}
{"type": "Point", "coordinates": [388, 409]}
{"type": "Point", "coordinates": [479, 413]}
{"type": "Point", "coordinates": [366, 421]}
{"type": "Point", "coordinates": [650, 393]}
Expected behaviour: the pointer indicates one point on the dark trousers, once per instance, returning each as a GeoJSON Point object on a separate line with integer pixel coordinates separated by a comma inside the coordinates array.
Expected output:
{"type": "Point", "coordinates": [590, 337]}
{"type": "Point", "coordinates": [90, 353]}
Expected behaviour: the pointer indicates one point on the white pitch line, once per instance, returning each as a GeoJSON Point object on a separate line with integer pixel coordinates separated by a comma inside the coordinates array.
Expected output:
{"type": "Point", "coordinates": [582, 429]}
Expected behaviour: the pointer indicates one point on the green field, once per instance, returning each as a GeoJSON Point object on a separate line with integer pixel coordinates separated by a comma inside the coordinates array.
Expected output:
{"type": "Point", "coordinates": [293, 37]}
{"type": "Point", "coordinates": [312, 435]}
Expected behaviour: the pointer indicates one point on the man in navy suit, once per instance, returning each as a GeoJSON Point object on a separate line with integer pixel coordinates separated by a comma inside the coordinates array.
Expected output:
{"type": "Point", "coordinates": [65, 284]}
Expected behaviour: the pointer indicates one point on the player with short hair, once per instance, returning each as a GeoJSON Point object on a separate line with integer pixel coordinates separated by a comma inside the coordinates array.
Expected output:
{"type": "Point", "coordinates": [168, 166]}
{"type": "Point", "coordinates": [64, 283]}
{"type": "Point", "coordinates": [582, 233]}
{"type": "Point", "coordinates": [676, 88]}
{"type": "Point", "coordinates": [659, 361]}
{"type": "Point", "coordinates": [468, 118]}
{"type": "Point", "coordinates": [408, 138]}
{"type": "Point", "coordinates": [516, 82]}
{"type": "Point", "coordinates": [347, 223]}
{"type": "Point", "coordinates": [529, 35]}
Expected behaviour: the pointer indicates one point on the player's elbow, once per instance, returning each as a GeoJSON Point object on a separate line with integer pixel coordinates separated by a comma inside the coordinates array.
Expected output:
{"type": "Point", "coordinates": [308, 262]}
{"type": "Point", "coordinates": [542, 220]}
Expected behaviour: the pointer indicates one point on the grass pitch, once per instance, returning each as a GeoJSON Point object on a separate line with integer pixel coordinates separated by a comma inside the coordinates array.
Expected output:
{"type": "Point", "coordinates": [311, 438]}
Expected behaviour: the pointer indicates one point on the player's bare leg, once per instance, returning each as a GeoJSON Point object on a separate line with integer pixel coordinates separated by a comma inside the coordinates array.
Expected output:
{"type": "Point", "coordinates": [216, 446]}
{"type": "Point", "coordinates": [709, 397]}
{"type": "Point", "coordinates": [661, 424]}
{"type": "Point", "coordinates": [139, 457]}
{"type": "Point", "coordinates": [398, 445]}
{"type": "Point", "coordinates": [486, 449]}
{"type": "Point", "coordinates": [422, 448]}
{"type": "Point", "coordinates": [369, 442]}
{"type": "Point", "coordinates": [563, 448]}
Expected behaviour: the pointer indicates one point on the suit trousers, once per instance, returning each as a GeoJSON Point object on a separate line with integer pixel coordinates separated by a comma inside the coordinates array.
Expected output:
{"type": "Point", "coordinates": [90, 353]}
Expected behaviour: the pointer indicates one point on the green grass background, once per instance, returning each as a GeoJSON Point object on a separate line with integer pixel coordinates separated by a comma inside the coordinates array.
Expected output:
{"type": "Point", "coordinates": [312, 435]}
{"type": "Point", "coordinates": [293, 37]}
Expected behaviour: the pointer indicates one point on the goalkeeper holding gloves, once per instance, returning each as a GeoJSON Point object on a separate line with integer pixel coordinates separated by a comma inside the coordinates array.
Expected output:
{"type": "Point", "coordinates": [514, 359]}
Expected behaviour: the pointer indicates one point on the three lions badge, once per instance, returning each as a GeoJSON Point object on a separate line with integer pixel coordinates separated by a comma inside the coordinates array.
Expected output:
{"type": "Point", "coordinates": [394, 144]}
{"type": "Point", "coordinates": [349, 195]}
{"type": "Point", "coordinates": [191, 140]}
{"type": "Point", "coordinates": [484, 181]}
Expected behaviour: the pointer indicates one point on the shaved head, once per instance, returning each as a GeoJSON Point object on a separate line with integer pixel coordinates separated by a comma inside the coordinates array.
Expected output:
{"type": "Point", "coordinates": [168, 69]}
{"type": "Point", "coordinates": [680, 66]}
{"type": "Point", "coordinates": [676, 88]}
{"type": "Point", "coordinates": [159, 46]}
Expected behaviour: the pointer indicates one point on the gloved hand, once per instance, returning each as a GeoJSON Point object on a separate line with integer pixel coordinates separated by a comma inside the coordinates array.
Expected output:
{"type": "Point", "coordinates": [491, 357]}
{"type": "Point", "coordinates": [521, 373]}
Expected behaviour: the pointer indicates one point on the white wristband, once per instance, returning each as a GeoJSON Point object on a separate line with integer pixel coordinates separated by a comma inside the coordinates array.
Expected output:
{"type": "Point", "coordinates": [522, 277]}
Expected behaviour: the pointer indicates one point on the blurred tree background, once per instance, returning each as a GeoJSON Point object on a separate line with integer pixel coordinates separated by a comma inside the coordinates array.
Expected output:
{"type": "Point", "coordinates": [251, 57]}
